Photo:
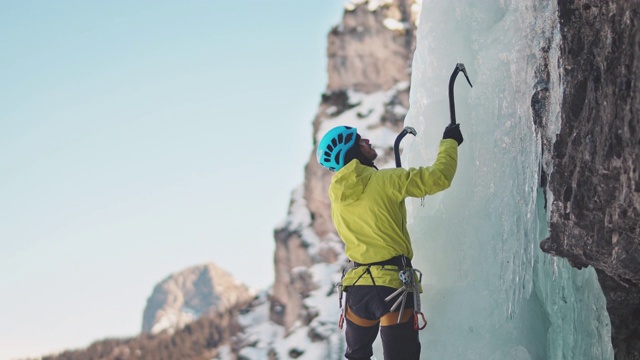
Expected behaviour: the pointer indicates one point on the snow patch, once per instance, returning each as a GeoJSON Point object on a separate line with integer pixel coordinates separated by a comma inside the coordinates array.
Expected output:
{"type": "Point", "coordinates": [299, 216]}
{"type": "Point", "coordinates": [395, 25]}
{"type": "Point", "coordinates": [372, 5]}
{"type": "Point", "coordinates": [366, 115]}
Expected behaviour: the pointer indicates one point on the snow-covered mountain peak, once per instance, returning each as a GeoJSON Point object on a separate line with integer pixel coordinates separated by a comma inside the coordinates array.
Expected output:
{"type": "Point", "coordinates": [184, 296]}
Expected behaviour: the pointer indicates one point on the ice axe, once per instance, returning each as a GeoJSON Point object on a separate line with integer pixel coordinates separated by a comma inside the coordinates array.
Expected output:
{"type": "Point", "coordinates": [396, 144]}
{"type": "Point", "coordinates": [452, 110]}
{"type": "Point", "coordinates": [452, 80]}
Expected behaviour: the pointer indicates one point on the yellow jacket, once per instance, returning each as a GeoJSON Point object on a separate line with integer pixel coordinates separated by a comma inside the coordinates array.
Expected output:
{"type": "Point", "coordinates": [368, 210]}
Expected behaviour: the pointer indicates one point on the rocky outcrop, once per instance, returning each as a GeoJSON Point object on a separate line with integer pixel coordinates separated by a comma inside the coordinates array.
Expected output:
{"type": "Point", "coordinates": [292, 279]}
{"type": "Point", "coordinates": [187, 295]}
{"type": "Point", "coordinates": [191, 315]}
{"type": "Point", "coordinates": [369, 51]}
{"type": "Point", "coordinates": [595, 214]}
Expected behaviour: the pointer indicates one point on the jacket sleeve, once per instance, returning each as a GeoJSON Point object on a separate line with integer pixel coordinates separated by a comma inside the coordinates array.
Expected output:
{"type": "Point", "coordinates": [428, 180]}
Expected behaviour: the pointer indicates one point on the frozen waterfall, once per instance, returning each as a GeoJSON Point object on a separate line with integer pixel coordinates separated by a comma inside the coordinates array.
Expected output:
{"type": "Point", "coordinates": [490, 293]}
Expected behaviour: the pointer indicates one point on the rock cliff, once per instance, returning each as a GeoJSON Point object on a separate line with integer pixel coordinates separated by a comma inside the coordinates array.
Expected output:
{"type": "Point", "coordinates": [595, 214]}
{"type": "Point", "coordinates": [187, 295]}
{"type": "Point", "coordinates": [191, 315]}
{"type": "Point", "coordinates": [369, 51]}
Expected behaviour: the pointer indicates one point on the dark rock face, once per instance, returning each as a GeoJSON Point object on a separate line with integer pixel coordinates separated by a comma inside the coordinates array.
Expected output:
{"type": "Point", "coordinates": [595, 214]}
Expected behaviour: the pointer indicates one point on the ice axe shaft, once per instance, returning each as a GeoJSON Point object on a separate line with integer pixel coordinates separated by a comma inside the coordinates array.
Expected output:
{"type": "Point", "coordinates": [452, 80]}
{"type": "Point", "coordinates": [396, 144]}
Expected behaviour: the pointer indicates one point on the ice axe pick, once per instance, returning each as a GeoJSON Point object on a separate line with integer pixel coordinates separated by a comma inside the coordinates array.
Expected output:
{"type": "Point", "coordinates": [452, 107]}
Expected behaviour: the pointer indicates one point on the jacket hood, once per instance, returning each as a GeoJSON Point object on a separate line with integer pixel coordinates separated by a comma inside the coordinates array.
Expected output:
{"type": "Point", "coordinates": [348, 184]}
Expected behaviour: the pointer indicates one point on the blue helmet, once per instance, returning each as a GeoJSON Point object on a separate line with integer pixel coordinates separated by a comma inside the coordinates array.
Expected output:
{"type": "Point", "coordinates": [334, 146]}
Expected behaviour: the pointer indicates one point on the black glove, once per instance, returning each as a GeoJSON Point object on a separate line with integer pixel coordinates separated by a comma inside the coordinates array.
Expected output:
{"type": "Point", "coordinates": [453, 132]}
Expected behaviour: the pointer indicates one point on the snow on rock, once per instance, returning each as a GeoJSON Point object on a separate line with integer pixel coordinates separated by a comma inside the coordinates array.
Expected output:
{"type": "Point", "coordinates": [316, 335]}
{"type": "Point", "coordinates": [394, 24]}
{"type": "Point", "coordinates": [372, 5]}
{"type": "Point", "coordinates": [365, 115]}
{"type": "Point", "coordinates": [183, 297]}
{"type": "Point", "coordinates": [368, 88]}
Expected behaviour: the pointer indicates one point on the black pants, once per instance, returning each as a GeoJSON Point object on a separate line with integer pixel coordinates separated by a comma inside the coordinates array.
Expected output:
{"type": "Point", "coordinates": [399, 341]}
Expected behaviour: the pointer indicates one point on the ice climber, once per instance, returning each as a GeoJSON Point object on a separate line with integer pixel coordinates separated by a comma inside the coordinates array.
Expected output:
{"type": "Point", "coordinates": [368, 211]}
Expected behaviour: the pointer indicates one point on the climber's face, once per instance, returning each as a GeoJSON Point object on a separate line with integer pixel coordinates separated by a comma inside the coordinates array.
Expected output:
{"type": "Point", "coordinates": [367, 150]}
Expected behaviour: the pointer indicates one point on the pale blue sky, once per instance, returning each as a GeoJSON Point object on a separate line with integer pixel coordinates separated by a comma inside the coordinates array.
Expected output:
{"type": "Point", "coordinates": [138, 138]}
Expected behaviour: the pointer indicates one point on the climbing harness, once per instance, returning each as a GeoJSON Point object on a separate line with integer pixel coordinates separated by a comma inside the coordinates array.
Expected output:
{"type": "Point", "coordinates": [411, 279]}
{"type": "Point", "coordinates": [343, 307]}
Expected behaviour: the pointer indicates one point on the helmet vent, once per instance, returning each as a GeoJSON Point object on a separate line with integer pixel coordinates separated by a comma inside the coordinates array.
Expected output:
{"type": "Point", "coordinates": [348, 138]}
{"type": "Point", "coordinates": [336, 158]}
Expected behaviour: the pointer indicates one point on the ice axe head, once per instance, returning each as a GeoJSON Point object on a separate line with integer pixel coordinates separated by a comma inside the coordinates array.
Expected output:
{"type": "Point", "coordinates": [460, 67]}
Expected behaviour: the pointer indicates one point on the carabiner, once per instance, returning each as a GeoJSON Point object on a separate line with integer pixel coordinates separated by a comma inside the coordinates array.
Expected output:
{"type": "Point", "coordinates": [416, 321]}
